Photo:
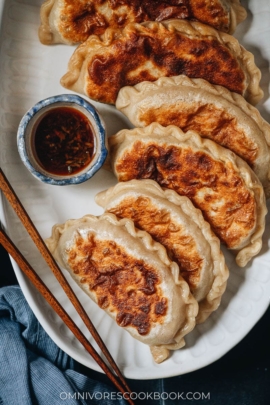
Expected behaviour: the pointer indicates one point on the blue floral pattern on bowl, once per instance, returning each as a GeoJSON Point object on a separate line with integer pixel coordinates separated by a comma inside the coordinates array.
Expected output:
{"type": "Point", "coordinates": [25, 132]}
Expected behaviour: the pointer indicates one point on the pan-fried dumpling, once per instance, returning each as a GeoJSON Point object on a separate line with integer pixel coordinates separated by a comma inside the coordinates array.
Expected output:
{"type": "Point", "coordinates": [216, 180]}
{"type": "Point", "coordinates": [173, 221]}
{"type": "Point", "coordinates": [212, 111]}
{"type": "Point", "coordinates": [129, 276]}
{"type": "Point", "coordinates": [101, 66]}
{"type": "Point", "coordinates": [70, 21]}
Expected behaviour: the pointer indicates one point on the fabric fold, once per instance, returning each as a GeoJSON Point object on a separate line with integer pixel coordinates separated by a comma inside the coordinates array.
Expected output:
{"type": "Point", "coordinates": [33, 369]}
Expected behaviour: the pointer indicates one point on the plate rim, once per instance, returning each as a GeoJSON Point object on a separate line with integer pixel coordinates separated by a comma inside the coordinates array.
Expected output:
{"type": "Point", "coordinates": [26, 289]}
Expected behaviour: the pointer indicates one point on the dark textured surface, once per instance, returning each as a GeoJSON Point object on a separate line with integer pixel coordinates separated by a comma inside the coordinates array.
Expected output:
{"type": "Point", "coordinates": [241, 377]}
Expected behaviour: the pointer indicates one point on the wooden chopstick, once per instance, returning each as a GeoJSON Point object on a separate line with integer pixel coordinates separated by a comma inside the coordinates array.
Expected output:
{"type": "Point", "coordinates": [49, 297]}
{"type": "Point", "coordinates": [14, 201]}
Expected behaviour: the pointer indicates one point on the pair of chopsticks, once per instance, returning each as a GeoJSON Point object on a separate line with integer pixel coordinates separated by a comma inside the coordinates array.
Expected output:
{"type": "Point", "coordinates": [49, 297]}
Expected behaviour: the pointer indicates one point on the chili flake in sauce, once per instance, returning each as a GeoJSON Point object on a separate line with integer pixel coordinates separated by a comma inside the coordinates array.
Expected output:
{"type": "Point", "coordinates": [64, 141]}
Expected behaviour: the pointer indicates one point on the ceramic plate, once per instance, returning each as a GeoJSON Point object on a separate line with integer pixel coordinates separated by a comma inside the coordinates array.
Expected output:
{"type": "Point", "coordinates": [30, 72]}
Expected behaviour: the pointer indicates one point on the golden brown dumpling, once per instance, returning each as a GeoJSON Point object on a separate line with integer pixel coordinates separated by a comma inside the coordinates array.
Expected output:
{"type": "Point", "coordinates": [129, 276]}
{"type": "Point", "coordinates": [71, 21]}
{"type": "Point", "coordinates": [173, 221]}
{"type": "Point", "coordinates": [212, 111]}
{"type": "Point", "coordinates": [101, 66]}
{"type": "Point", "coordinates": [216, 180]}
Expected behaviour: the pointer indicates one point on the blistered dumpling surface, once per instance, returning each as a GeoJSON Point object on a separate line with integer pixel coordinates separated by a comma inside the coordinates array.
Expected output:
{"type": "Point", "coordinates": [70, 21]}
{"type": "Point", "coordinates": [173, 221]}
{"type": "Point", "coordinates": [101, 66]}
{"type": "Point", "coordinates": [129, 276]}
{"type": "Point", "coordinates": [218, 182]}
{"type": "Point", "coordinates": [212, 111]}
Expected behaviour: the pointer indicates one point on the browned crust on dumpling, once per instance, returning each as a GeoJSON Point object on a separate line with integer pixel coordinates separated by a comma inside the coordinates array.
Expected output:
{"type": "Point", "coordinates": [79, 19]}
{"type": "Point", "coordinates": [212, 111]}
{"type": "Point", "coordinates": [102, 66]}
{"type": "Point", "coordinates": [126, 285]}
{"type": "Point", "coordinates": [159, 224]}
{"type": "Point", "coordinates": [216, 180]}
{"type": "Point", "coordinates": [172, 220]}
{"type": "Point", "coordinates": [187, 173]}
{"type": "Point", "coordinates": [153, 303]}
{"type": "Point", "coordinates": [223, 18]}
{"type": "Point", "coordinates": [210, 122]}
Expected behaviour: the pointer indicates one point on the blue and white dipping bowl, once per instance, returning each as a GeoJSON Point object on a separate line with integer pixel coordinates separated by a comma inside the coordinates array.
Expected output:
{"type": "Point", "coordinates": [26, 133]}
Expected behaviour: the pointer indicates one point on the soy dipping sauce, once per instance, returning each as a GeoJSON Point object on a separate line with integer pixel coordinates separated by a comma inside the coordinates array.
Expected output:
{"type": "Point", "coordinates": [64, 141]}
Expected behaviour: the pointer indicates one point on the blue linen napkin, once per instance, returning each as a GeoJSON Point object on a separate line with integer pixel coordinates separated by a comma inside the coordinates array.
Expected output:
{"type": "Point", "coordinates": [33, 369]}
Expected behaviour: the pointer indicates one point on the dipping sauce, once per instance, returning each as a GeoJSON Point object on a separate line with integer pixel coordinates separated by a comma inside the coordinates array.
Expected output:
{"type": "Point", "coordinates": [64, 141]}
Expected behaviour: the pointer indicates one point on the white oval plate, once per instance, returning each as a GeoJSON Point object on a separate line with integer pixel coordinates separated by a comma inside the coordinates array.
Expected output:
{"type": "Point", "coordinates": [30, 72]}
